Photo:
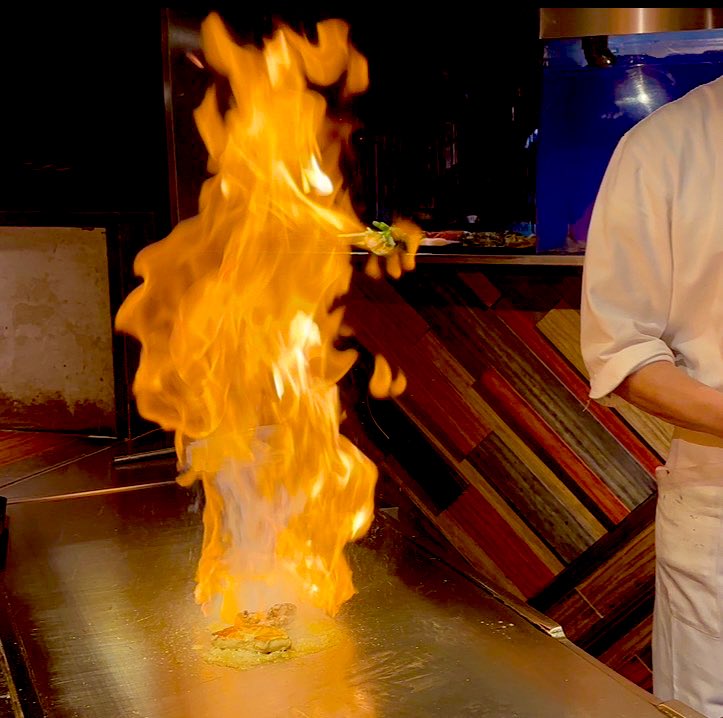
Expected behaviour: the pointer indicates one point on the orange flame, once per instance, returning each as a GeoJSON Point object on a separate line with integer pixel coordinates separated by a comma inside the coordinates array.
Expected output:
{"type": "Point", "coordinates": [236, 321]}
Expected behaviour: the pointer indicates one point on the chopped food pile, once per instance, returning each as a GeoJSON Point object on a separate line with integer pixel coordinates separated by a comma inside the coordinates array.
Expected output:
{"type": "Point", "coordinates": [260, 632]}
{"type": "Point", "coordinates": [278, 634]}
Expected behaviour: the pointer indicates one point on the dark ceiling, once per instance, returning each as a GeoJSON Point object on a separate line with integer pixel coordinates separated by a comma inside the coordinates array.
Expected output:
{"type": "Point", "coordinates": [82, 126]}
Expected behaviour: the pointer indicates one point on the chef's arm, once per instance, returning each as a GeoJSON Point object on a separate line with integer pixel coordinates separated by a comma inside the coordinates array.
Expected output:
{"type": "Point", "coordinates": [664, 390]}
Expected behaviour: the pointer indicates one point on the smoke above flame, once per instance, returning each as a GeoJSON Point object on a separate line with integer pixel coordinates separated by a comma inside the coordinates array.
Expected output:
{"type": "Point", "coordinates": [237, 318]}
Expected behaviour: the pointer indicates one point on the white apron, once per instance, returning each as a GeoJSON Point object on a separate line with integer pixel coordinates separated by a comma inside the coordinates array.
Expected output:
{"type": "Point", "coordinates": [687, 624]}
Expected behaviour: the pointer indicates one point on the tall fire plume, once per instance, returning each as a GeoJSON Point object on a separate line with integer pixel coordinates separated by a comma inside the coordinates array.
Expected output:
{"type": "Point", "coordinates": [238, 321]}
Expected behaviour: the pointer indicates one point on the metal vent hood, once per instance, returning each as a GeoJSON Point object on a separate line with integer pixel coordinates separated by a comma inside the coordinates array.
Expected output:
{"type": "Point", "coordinates": [560, 22]}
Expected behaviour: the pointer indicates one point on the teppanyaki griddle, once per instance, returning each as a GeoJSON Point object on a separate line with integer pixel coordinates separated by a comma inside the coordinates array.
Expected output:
{"type": "Point", "coordinates": [97, 619]}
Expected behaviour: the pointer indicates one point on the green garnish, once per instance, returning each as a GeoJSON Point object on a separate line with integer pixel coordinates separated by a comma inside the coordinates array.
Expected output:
{"type": "Point", "coordinates": [383, 239]}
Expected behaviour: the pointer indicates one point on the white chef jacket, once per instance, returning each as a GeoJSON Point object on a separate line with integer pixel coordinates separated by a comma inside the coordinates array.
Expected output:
{"type": "Point", "coordinates": [653, 275]}
{"type": "Point", "coordinates": [653, 290]}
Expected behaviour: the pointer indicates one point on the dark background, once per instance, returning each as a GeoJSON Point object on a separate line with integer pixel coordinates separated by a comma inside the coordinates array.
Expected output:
{"type": "Point", "coordinates": [451, 102]}
{"type": "Point", "coordinates": [82, 125]}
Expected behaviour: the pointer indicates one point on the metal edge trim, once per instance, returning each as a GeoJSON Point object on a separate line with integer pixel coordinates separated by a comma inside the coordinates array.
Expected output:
{"type": "Point", "coordinates": [10, 683]}
{"type": "Point", "coordinates": [90, 492]}
{"type": "Point", "coordinates": [15, 663]}
{"type": "Point", "coordinates": [676, 709]}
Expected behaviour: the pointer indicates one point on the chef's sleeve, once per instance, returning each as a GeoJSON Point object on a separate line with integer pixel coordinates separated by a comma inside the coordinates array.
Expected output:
{"type": "Point", "coordinates": [627, 273]}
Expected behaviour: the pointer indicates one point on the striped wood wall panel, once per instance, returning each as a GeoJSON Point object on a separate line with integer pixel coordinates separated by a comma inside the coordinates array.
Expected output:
{"type": "Point", "coordinates": [544, 493]}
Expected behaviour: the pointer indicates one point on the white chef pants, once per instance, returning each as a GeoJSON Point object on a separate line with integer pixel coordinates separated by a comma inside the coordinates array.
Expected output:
{"type": "Point", "coordinates": [687, 625]}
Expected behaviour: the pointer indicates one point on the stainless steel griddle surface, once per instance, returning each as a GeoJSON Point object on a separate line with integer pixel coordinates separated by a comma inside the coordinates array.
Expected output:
{"type": "Point", "coordinates": [98, 596]}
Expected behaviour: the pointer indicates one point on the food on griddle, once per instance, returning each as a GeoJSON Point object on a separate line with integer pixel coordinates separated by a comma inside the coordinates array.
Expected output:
{"type": "Point", "coordinates": [280, 614]}
{"type": "Point", "coordinates": [259, 632]}
{"type": "Point", "coordinates": [252, 637]}
{"type": "Point", "coordinates": [272, 636]}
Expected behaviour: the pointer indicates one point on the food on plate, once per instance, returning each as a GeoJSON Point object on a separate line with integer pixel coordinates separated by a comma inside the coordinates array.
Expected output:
{"type": "Point", "coordinates": [485, 240]}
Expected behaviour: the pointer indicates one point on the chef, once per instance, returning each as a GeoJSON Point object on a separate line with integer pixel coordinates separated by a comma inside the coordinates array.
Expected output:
{"type": "Point", "coordinates": [652, 333]}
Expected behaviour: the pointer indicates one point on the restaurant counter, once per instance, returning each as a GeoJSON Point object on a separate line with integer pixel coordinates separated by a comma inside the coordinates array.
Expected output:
{"type": "Point", "coordinates": [98, 620]}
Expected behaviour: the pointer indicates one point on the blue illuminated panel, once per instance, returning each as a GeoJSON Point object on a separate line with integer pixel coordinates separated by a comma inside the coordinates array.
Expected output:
{"type": "Point", "coordinates": [585, 110]}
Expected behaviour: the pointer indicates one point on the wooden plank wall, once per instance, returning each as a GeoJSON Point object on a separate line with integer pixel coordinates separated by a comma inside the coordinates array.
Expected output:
{"type": "Point", "coordinates": [547, 495]}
